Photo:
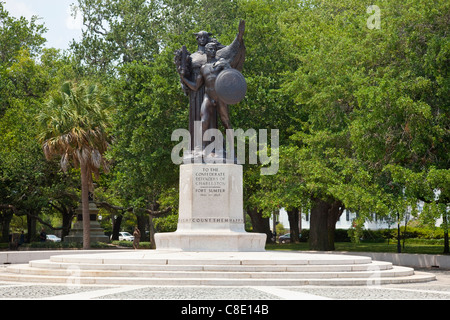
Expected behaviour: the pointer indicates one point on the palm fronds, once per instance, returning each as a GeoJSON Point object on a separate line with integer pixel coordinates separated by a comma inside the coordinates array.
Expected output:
{"type": "Point", "coordinates": [74, 126]}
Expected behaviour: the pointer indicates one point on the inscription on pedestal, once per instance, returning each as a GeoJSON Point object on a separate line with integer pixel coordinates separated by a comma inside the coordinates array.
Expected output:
{"type": "Point", "coordinates": [210, 198]}
{"type": "Point", "coordinates": [210, 181]}
{"type": "Point", "coordinates": [211, 216]}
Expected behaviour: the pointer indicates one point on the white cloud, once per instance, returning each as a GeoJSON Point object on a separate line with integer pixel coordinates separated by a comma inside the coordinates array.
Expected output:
{"type": "Point", "coordinates": [19, 9]}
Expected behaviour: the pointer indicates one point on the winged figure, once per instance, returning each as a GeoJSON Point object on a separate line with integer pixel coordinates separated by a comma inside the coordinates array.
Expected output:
{"type": "Point", "coordinates": [189, 66]}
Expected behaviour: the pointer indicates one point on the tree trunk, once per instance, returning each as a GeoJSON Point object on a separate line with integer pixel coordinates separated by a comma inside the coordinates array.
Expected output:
{"type": "Point", "coordinates": [399, 247]}
{"type": "Point", "coordinates": [274, 225]}
{"type": "Point", "coordinates": [117, 221]}
{"type": "Point", "coordinates": [318, 231]}
{"type": "Point", "coordinates": [151, 232]}
{"type": "Point", "coordinates": [293, 216]}
{"type": "Point", "coordinates": [446, 244]}
{"type": "Point", "coordinates": [324, 216]}
{"type": "Point", "coordinates": [6, 221]}
{"type": "Point", "coordinates": [153, 212]}
{"type": "Point", "coordinates": [141, 219]}
{"type": "Point", "coordinates": [445, 223]}
{"type": "Point", "coordinates": [67, 217]}
{"type": "Point", "coordinates": [404, 232]}
{"type": "Point", "coordinates": [299, 223]}
{"type": "Point", "coordinates": [31, 227]}
{"type": "Point", "coordinates": [85, 205]}
{"type": "Point", "coordinates": [259, 223]}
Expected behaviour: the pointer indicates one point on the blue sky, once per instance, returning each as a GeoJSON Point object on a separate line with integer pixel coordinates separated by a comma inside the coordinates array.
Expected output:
{"type": "Point", "coordinates": [54, 14]}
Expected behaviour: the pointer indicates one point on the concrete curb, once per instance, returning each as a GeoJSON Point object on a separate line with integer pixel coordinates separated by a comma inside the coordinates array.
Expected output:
{"type": "Point", "coordinates": [401, 259]}
{"type": "Point", "coordinates": [17, 257]}
{"type": "Point", "coordinates": [407, 259]}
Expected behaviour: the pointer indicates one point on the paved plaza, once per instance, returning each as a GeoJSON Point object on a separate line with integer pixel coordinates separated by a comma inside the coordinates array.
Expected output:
{"type": "Point", "coordinates": [434, 290]}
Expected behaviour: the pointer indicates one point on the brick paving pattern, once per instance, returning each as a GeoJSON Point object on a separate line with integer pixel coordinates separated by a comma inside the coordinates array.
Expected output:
{"type": "Point", "coordinates": [435, 290]}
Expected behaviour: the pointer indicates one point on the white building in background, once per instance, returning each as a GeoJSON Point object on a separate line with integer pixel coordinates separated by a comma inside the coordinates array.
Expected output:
{"type": "Point", "coordinates": [346, 220]}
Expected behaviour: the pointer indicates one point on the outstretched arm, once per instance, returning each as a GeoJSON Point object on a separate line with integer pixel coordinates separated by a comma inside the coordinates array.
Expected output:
{"type": "Point", "coordinates": [193, 85]}
{"type": "Point", "coordinates": [222, 64]}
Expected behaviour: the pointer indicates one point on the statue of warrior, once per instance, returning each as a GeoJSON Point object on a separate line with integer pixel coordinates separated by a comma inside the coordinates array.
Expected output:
{"type": "Point", "coordinates": [198, 74]}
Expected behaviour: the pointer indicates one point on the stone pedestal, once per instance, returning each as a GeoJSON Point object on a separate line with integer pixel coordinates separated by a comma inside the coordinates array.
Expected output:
{"type": "Point", "coordinates": [211, 216]}
{"type": "Point", "coordinates": [97, 233]}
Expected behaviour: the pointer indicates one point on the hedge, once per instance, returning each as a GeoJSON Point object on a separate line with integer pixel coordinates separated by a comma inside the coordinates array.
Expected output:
{"type": "Point", "coordinates": [341, 235]}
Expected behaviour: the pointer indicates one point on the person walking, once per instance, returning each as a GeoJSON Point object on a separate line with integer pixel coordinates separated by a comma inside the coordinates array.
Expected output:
{"type": "Point", "coordinates": [137, 238]}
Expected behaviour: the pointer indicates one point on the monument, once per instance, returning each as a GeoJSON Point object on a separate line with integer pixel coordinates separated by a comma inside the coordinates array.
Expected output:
{"type": "Point", "coordinates": [97, 232]}
{"type": "Point", "coordinates": [210, 246]}
{"type": "Point", "coordinates": [211, 216]}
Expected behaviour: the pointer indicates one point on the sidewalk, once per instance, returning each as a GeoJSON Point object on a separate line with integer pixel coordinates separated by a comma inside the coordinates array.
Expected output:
{"type": "Point", "coordinates": [16, 257]}
{"type": "Point", "coordinates": [407, 259]}
{"type": "Point", "coordinates": [435, 290]}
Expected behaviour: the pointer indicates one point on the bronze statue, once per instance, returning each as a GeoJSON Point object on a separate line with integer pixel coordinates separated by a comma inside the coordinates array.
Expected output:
{"type": "Point", "coordinates": [207, 77]}
{"type": "Point", "coordinates": [199, 72]}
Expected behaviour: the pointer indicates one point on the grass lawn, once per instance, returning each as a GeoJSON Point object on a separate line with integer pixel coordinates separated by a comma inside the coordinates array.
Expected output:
{"type": "Point", "coordinates": [365, 247]}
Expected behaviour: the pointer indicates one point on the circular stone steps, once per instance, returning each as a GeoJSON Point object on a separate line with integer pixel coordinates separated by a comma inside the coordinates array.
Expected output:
{"type": "Point", "coordinates": [155, 267]}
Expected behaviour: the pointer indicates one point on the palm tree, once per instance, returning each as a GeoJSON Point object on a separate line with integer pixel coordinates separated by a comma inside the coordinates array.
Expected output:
{"type": "Point", "coordinates": [74, 126]}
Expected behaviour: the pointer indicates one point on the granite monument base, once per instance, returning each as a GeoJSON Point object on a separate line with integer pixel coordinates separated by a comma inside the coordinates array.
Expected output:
{"type": "Point", "coordinates": [97, 233]}
{"type": "Point", "coordinates": [211, 216]}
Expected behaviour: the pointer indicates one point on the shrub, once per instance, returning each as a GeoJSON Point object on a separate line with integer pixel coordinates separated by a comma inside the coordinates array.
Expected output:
{"type": "Point", "coordinates": [341, 235]}
{"type": "Point", "coordinates": [381, 235]}
{"type": "Point", "coordinates": [129, 244]}
{"type": "Point", "coordinates": [304, 235]}
{"type": "Point", "coordinates": [62, 245]}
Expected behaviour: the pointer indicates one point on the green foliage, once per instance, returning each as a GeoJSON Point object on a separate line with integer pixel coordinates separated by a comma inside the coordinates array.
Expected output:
{"type": "Point", "coordinates": [117, 32]}
{"type": "Point", "coordinates": [125, 31]}
{"type": "Point", "coordinates": [363, 113]}
{"type": "Point", "coordinates": [129, 244]}
{"type": "Point", "coordinates": [74, 124]}
{"type": "Point", "coordinates": [370, 106]}
{"type": "Point", "coordinates": [280, 229]}
{"type": "Point", "coordinates": [27, 182]}
{"type": "Point", "coordinates": [62, 245]}
{"type": "Point", "coordinates": [149, 106]}
{"type": "Point", "coordinates": [355, 233]}
{"type": "Point", "coordinates": [166, 224]}
{"type": "Point", "coordinates": [16, 34]}
{"type": "Point", "coordinates": [364, 247]}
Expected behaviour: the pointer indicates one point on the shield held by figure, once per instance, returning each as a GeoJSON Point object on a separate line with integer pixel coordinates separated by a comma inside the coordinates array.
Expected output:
{"type": "Point", "coordinates": [231, 86]}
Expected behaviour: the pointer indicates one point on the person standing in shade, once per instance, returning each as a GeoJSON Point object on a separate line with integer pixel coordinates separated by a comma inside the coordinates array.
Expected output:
{"type": "Point", "coordinates": [43, 235]}
{"type": "Point", "coordinates": [21, 238]}
{"type": "Point", "coordinates": [137, 238]}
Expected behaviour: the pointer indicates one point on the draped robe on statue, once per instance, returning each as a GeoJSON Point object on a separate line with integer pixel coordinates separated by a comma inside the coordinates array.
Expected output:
{"type": "Point", "coordinates": [234, 54]}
